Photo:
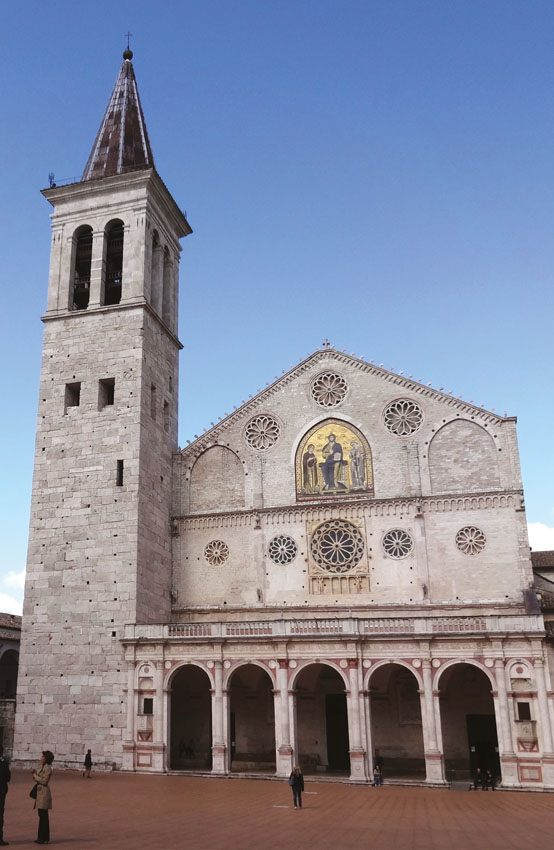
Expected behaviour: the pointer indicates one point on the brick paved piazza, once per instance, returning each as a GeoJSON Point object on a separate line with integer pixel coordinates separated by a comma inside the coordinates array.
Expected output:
{"type": "Point", "coordinates": [132, 811]}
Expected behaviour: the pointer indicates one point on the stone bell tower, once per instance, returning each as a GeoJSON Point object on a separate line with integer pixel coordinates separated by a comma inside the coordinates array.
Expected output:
{"type": "Point", "coordinates": [99, 546]}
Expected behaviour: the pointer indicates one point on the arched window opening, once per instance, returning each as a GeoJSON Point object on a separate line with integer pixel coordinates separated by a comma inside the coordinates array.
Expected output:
{"type": "Point", "coordinates": [8, 674]}
{"type": "Point", "coordinates": [80, 290]}
{"type": "Point", "coordinates": [114, 263]}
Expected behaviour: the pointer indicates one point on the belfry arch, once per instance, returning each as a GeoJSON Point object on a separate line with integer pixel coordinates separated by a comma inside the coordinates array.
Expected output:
{"type": "Point", "coordinates": [190, 719]}
{"type": "Point", "coordinates": [79, 290]}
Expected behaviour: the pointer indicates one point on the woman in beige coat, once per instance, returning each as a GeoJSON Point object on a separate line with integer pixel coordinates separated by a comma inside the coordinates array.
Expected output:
{"type": "Point", "coordinates": [44, 797]}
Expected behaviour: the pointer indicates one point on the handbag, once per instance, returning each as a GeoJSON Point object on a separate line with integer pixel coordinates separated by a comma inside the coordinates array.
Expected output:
{"type": "Point", "coordinates": [33, 791]}
{"type": "Point", "coordinates": [291, 781]}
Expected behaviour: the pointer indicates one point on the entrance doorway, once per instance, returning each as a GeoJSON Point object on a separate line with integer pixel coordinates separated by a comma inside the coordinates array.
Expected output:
{"type": "Point", "coordinates": [468, 722]}
{"type": "Point", "coordinates": [482, 743]}
{"type": "Point", "coordinates": [322, 721]}
{"type": "Point", "coordinates": [191, 720]}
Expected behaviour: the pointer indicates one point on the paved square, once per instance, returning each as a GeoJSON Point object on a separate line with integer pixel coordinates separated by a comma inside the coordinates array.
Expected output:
{"type": "Point", "coordinates": [133, 811]}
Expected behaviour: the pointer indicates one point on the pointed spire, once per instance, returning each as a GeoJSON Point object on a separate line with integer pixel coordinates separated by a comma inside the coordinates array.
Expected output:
{"type": "Point", "coordinates": [121, 143]}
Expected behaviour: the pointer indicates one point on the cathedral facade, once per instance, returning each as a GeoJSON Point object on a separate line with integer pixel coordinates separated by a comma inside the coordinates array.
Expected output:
{"type": "Point", "coordinates": [337, 574]}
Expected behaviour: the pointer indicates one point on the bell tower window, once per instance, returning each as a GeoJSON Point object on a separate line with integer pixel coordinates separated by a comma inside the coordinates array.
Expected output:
{"type": "Point", "coordinates": [114, 263]}
{"type": "Point", "coordinates": [80, 288]}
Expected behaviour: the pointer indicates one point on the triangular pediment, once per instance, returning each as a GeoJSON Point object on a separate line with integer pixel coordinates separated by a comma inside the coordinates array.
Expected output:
{"type": "Point", "coordinates": [329, 359]}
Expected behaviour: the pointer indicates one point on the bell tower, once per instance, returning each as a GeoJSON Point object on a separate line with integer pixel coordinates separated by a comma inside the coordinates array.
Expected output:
{"type": "Point", "coordinates": [100, 545]}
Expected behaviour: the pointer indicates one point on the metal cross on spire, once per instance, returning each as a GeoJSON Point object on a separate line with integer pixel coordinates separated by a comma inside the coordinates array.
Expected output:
{"type": "Point", "coordinates": [128, 36]}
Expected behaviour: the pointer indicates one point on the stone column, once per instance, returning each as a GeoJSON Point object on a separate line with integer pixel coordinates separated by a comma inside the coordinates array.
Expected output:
{"type": "Point", "coordinates": [546, 743]}
{"type": "Point", "coordinates": [293, 726]}
{"type": "Point", "coordinates": [282, 718]}
{"type": "Point", "coordinates": [158, 744]}
{"type": "Point", "coordinates": [218, 740]}
{"type": "Point", "coordinates": [226, 731]}
{"type": "Point", "coordinates": [508, 759]}
{"type": "Point", "coordinates": [175, 306]}
{"type": "Point", "coordinates": [129, 743]}
{"type": "Point", "coordinates": [357, 756]}
{"type": "Point", "coordinates": [543, 707]}
{"type": "Point", "coordinates": [97, 269]}
{"type": "Point", "coordinates": [367, 739]}
{"type": "Point", "coordinates": [58, 288]}
{"type": "Point", "coordinates": [434, 760]}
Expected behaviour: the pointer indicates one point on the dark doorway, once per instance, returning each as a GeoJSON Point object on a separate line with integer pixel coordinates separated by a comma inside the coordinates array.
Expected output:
{"type": "Point", "coordinates": [336, 719]}
{"type": "Point", "coordinates": [483, 743]}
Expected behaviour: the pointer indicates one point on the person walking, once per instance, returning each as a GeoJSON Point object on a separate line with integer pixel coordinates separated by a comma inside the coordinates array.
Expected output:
{"type": "Point", "coordinates": [44, 797]}
{"type": "Point", "coordinates": [296, 782]}
{"type": "Point", "coordinates": [5, 776]}
{"type": "Point", "coordinates": [88, 764]}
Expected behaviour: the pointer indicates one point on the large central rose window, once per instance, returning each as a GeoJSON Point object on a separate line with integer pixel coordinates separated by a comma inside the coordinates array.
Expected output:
{"type": "Point", "coordinates": [337, 546]}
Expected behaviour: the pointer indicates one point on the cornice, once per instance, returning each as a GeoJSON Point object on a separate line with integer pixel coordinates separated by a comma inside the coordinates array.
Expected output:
{"type": "Point", "coordinates": [355, 509]}
{"type": "Point", "coordinates": [63, 315]}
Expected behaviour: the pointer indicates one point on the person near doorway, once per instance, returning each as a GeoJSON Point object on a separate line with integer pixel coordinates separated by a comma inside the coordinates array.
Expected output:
{"type": "Point", "coordinates": [44, 796]}
{"type": "Point", "coordinates": [296, 782]}
{"type": "Point", "coordinates": [5, 776]}
{"type": "Point", "coordinates": [377, 776]}
{"type": "Point", "coordinates": [489, 780]}
{"type": "Point", "coordinates": [87, 764]}
{"type": "Point", "coordinates": [479, 781]}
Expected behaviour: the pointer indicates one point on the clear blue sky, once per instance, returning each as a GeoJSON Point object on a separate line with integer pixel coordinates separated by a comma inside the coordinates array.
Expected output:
{"type": "Point", "coordinates": [378, 173]}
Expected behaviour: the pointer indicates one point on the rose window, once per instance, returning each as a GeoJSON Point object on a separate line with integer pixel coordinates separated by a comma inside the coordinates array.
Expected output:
{"type": "Point", "coordinates": [403, 417]}
{"type": "Point", "coordinates": [470, 540]}
{"type": "Point", "coordinates": [216, 552]}
{"type": "Point", "coordinates": [337, 546]}
{"type": "Point", "coordinates": [262, 432]}
{"type": "Point", "coordinates": [397, 543]}
{"type": "Point", "coordinates": [329, 389]}
{"type": "Point", "coordinates": [282, 549]}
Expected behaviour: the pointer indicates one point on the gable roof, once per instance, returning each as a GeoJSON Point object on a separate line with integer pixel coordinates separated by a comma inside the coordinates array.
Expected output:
{"type": "Point", "coordinates": [406, 384]}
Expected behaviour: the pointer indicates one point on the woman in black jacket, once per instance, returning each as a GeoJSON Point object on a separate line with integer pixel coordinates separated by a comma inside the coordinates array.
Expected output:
{"type": "Point", "coordinates": [296, 782]}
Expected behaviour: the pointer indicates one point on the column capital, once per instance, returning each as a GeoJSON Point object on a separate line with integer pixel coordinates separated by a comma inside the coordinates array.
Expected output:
{"type": "Point", "coordinates": [352, 663]}
{"type": "Point", "coordinates": [283, 663]}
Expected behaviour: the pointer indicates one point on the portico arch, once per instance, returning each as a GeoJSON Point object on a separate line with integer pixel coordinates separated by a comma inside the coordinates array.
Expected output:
{"type": "Point", "coordinates": [190, 719]}
{"type": "Point", "coordinates": [322, 738]}
{"type": "Point", "coordinates": [251, 719]}
{"type": "Point", "coordinates": [468, 721]}
{"type": "Point", "coordinates": [396, 721]}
